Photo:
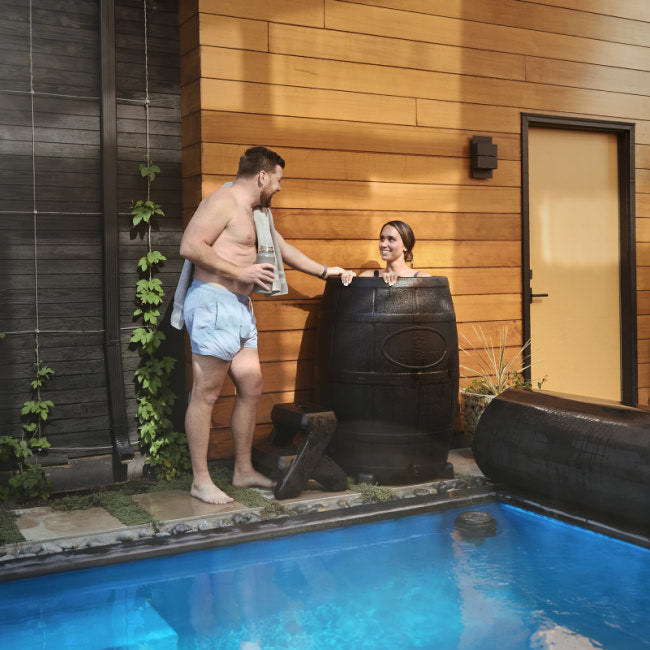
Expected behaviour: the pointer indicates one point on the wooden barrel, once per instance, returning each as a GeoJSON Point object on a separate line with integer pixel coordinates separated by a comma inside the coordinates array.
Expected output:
{"type": "Point", "coordinates": [387, 365]}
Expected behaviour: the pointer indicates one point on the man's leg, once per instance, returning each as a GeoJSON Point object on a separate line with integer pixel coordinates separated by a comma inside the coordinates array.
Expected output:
{"type": "Point", "coordinates": [208, 376]}
{"type": "Point", "coordinates": [247, 376]}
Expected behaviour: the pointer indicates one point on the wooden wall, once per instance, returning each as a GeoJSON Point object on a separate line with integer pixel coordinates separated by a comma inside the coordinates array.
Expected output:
{"type": "Point", "coordinates": [373, 103]}
{"type": "Point", "coordinates": [51, 272]}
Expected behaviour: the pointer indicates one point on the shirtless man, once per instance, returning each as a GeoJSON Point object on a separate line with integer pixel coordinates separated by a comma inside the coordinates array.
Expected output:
{"type": "Point", "coordinates": [220, 240]}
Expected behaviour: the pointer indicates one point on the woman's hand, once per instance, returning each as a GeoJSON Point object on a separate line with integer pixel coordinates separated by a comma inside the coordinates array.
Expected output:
{"type": "Point", "coordinates": [390, 277]}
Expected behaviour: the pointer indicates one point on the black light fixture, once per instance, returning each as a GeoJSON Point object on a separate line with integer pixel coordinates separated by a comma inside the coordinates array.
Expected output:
{"type": "Point", "coordinates": [484, 156]}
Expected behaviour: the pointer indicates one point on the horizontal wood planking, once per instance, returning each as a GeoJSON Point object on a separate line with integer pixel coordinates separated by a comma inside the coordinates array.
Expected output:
{"type": "Point", "coordinates": [279, 376]}
{"type": "Point", "coordinates": [339, 195]}
{"type": "Point", "coordinates": [221, 444]}
{"type": "Point", "coordinates": [584, 75]}
{"type": "Point", "coordinates": [558, 19]}
{"type": "Point", "coordinates": [392, 52]}
{"type": "Point", "coordinates": [643, 302]}
{"type": "Point", "coordinates": [643, 156]}
{"type": "Point", "coordinates": [238, 96]}
{"type": "Point", "coordinates": [296, 12]}
{"type": "Point", "coordinates": [473, 281]}
{"type": "Point", "coordinates": [365, 224]}
{"type": "Point", "coordinates": [281, 131]}
{"type": "Point", "coordinates": [430, 254]}
{"type": "Point", "coordinates": [643, 233]}
{"type": "Point", "coordinates": [633, 9]}
{"type": "Point", "coordinates": [232, 32]}
{"type": "Point", "coordinates": [348, 173]}
{"type": "Point", "coordinates": [643, 207]}
{"type": "Point", "coordinates": [643, 375]}
{"type": "Point", "coordinates": [302, 80]}
{"type": "Point", "coordinates": [360, 166]}
{"type": "Point", "coordinates": [354, 17]}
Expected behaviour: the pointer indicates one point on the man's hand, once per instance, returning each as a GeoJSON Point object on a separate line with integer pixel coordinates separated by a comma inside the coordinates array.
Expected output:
{"type": "Point", "coordinates": [347, 277]}
{"type": "Point", "coordinates": [335, 271]}
{"type": "Point", "coordinates": [259, 274]}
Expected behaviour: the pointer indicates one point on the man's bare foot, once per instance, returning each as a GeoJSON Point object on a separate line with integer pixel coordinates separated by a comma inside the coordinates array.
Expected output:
{"type": "Point", "coordinates": [251, 479]}
{"type": "Point", "coordinates": [209, 493]}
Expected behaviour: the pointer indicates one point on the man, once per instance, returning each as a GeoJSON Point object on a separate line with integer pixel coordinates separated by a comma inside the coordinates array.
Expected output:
{"type": "Point", "coordinates": [220, 240]}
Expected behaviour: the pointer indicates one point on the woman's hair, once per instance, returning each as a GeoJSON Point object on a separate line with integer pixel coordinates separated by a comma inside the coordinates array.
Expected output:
{"type": "Point", "coordinates": [406, 233]}
{"type": "Point", "coordinates": [257, 159]}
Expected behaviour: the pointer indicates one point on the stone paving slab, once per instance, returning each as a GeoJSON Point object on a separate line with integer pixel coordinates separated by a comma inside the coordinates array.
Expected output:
{"type": "Point", "coordinates": [172, 505]}
{"type": "Point", "coordinates": [463, 462]}
{"type": "Point", "coordinates": [44, 523]}
{"type": "Point", "coordinates": [311, 492]}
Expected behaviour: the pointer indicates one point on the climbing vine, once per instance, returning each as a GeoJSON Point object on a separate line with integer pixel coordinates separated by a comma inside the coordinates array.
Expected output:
{"type": "Point", "coordinates": [21, 454]}
{"type": "Point", "coordinates": [166, 449]}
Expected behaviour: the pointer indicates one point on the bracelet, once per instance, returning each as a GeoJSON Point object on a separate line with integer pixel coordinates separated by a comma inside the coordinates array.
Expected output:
{"type": "Point", "coordinates": [323, 275]}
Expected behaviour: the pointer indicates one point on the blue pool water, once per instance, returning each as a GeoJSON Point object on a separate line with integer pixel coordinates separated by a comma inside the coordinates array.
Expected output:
{"type": "Point", "coordinates": [412, 582]}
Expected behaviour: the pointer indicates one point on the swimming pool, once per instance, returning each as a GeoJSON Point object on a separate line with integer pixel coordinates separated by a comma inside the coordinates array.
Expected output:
{"type": "Point", "coordinates": [411, 582]}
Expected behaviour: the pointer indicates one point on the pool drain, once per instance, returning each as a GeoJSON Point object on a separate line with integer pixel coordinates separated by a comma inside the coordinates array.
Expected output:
{"type": "Point", "coordinates": [476, 523]}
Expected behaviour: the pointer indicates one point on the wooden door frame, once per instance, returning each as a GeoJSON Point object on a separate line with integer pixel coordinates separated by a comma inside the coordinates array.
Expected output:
{"type": "Point", "coordinates": [624, 132]}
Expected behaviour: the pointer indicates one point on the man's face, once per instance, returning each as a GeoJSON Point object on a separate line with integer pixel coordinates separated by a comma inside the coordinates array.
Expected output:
{"type": "Point", "coordinates": [269, 185]}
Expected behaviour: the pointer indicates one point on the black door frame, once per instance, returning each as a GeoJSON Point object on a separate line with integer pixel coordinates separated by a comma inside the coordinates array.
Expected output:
{"type": "Point", "coordinates": [624, 132]}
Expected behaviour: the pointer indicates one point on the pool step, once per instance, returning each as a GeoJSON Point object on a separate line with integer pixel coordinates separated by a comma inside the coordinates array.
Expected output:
{"type": "Point", "coordinates": [114, 625]}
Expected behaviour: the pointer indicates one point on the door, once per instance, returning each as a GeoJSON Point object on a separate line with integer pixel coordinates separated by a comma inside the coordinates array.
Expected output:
{"type": "Point", "coordinates": [577, 290]}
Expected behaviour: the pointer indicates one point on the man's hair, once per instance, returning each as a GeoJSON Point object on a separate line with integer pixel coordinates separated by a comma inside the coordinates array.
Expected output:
{"type": "Point", "coordinates": [257, 159]}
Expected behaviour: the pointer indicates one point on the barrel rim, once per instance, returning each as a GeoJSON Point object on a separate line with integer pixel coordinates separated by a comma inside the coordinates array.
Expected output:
{"type": "Point", "coordinates": [431, 280]}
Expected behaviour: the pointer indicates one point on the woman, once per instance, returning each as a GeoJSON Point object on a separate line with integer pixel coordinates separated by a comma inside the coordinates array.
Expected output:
{"type": "Point", "coordinates": [396, 243]}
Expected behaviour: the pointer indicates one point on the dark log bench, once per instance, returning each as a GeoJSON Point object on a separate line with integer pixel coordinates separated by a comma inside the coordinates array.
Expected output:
{"type": "Point", "coordinates": [589, 454]}
{"type": "Point", "coordinates": [295, 450]}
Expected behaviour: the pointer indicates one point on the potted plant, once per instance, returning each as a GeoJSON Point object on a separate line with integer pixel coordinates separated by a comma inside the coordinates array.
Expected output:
{"type": "Point", "coordinates": [494, 374]}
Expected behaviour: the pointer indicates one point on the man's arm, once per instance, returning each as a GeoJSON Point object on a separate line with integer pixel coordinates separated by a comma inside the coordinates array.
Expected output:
{"type": "Point", "coordinates": [206, 225]}
{"type": "Point", "coordinates": [298, 260]}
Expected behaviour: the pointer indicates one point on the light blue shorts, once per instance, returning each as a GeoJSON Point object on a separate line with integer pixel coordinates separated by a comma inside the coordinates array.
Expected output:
{"type": "Point", "coordinates": [220, 323]}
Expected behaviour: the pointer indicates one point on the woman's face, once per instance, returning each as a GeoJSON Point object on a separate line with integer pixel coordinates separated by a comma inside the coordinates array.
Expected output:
{"type": "Point", "coordinates": [391, 246]}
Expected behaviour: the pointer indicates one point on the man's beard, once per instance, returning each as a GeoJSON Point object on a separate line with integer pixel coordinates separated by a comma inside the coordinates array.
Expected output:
{"type": "Point", "coordinates": [265, 199]}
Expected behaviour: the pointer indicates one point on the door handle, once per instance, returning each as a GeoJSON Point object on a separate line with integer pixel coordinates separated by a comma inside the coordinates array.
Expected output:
{"type": "Point", "coordinates": [538, 295]}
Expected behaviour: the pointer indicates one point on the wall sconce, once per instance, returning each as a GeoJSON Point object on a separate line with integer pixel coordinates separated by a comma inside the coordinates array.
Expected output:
{"type": "Point", "coordinates": [484, 156]}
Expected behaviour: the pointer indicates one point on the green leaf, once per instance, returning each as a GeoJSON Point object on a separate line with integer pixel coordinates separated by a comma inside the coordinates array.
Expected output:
{"type": "Point", "coordinates": [39, 443]}
{"type": "Point", "coordinates": [155, 257]}
{"type": "Point", "coordinates": [151, 316]}
{"type": "Point", "coordinates": [149, 171]}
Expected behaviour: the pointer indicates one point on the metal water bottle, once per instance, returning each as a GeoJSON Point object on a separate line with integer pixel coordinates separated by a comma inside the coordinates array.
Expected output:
{"type": "Point", "coordinates": [265, 255]}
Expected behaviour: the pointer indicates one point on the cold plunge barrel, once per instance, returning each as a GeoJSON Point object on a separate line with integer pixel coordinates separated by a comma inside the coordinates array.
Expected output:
{"type": "Point", "coordinates": [387, 365]}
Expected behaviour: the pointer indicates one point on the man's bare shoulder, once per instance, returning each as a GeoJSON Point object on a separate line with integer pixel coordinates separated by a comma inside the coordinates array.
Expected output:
{"type": "Point", "coordinates": [221, 200]}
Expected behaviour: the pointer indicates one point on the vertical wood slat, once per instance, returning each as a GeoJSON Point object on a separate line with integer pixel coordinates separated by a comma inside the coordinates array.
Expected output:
{"type": "Point", "coordinates": [112, 344]}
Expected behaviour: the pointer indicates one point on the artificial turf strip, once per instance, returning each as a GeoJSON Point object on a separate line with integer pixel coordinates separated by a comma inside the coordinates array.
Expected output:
{"type": "Point", "coordinates": [9, 532]}
{"type": "Point", "coordinates": [222, 476]}
{"type": "Point", "coordinates": [120, 505]}
{"type": "Point", "coordinates": [372, 493]}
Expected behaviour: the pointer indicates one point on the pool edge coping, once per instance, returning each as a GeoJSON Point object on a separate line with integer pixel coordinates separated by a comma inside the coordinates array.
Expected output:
{"type": "Point", "coordinates": [184, 542]}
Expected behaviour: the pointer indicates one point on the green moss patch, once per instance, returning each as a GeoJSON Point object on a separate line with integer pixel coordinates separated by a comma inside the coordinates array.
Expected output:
{"type": "Point", "coordinates": [372, 493]}
{"type": "Point", "coordinates": [222, 476]}
{"type": "Point", "coordinates": [118, 504]}
{"type": "Point", "coordinates": [9, 532]}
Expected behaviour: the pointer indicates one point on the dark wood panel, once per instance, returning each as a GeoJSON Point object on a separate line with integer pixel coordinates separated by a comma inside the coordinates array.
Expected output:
{"type": "Point", "coordinates": [65, 178]}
